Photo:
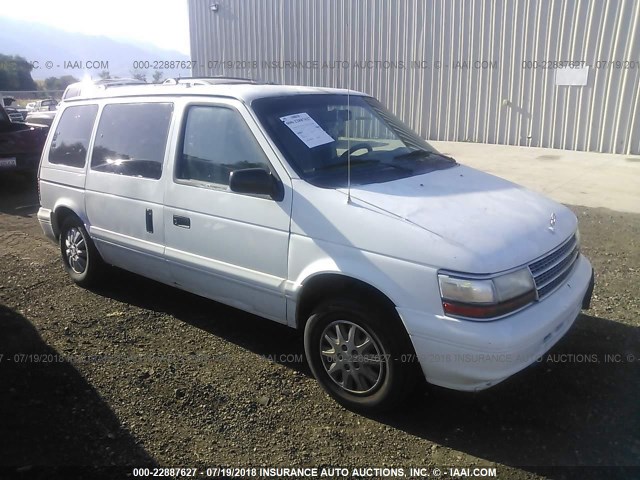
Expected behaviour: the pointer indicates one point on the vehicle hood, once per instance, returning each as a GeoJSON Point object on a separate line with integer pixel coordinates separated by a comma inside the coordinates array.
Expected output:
{"type": "Point", "coordinates": [499, 225]}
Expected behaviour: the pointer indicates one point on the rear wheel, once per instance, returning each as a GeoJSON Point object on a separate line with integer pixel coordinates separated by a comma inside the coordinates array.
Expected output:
{"type": "Point", "coordinates": [80, 258]}
{"type": "Point", "coordinates": [360, 355]}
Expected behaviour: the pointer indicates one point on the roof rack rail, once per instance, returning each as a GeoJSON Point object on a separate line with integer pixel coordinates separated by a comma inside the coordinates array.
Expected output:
{"type": "Point", "coordinates": [216, 80]}
{"type": "Point", "coordinates": [117, 82]}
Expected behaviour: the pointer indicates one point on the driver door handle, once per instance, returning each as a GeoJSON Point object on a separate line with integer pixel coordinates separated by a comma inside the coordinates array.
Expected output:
{"type": "Point", "coordinates": [184, 222]}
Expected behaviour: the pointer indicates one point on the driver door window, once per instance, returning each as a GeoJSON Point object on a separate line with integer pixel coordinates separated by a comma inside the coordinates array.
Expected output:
{"type": "Point", "coordinates": [216, 142]}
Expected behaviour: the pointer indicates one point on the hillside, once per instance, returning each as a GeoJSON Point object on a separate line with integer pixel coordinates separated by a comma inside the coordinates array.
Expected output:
{"type": "Point", "coordinates": [74, 54]}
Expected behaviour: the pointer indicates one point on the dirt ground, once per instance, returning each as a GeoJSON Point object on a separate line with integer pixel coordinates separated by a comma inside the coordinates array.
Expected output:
{"type": "Point", "coordinates": [137, 373]}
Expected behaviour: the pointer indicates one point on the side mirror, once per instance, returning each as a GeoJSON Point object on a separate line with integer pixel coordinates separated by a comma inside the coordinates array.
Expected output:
{"type": "Point", "coordinates": [256, 181]}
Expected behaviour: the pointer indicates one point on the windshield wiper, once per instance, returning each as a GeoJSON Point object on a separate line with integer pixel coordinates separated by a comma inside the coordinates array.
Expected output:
{"type": "Point", "coordinates": [345, 164]}
{"type": "Point", "coordinates": [370, 162]}
{"type": "Point", "coordinates": [414, 154]}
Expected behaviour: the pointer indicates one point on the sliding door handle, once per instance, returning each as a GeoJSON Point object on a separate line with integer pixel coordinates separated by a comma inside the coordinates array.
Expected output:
{"type": "Point", "coordinates": [184, 222]}
{"type": "Point", "coordinates": [149, 220]}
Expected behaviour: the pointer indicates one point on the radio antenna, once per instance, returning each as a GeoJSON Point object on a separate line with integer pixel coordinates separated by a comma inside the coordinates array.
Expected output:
{"type": "Point", "coordinates": [349, 105]}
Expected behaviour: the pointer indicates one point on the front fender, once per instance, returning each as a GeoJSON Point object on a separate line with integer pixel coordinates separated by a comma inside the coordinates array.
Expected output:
{"type": "Point", "coordinates": [405, 284]}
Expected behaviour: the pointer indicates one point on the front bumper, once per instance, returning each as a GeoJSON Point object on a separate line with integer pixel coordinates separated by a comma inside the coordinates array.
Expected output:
{"type": "Point", "coordinates": [471, 355]}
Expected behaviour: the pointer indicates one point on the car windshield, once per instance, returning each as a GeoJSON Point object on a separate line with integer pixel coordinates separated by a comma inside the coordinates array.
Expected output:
{"type": "Point", "coordinates": [317, 132]}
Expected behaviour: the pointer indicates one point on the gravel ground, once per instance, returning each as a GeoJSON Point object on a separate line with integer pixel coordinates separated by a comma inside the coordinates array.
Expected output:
{"type": "Point", "coordinates": [156, 376]}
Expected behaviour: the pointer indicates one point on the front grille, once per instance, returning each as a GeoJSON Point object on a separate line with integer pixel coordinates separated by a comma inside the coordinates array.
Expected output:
{"type": "Point", "coordinates": [552, 269]}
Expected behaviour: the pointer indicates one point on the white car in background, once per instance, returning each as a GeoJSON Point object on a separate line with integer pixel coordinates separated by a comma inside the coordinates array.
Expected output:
{"type": "Point", "coordinates": [319, 209]}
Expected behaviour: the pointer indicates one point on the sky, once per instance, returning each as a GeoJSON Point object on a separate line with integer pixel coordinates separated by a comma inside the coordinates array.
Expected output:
{"type": "Point", "coordinates": [163, 23]}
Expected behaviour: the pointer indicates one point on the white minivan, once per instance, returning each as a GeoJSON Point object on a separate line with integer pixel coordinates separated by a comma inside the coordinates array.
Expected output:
{"type": "Point", "coordinates": [319, 209]}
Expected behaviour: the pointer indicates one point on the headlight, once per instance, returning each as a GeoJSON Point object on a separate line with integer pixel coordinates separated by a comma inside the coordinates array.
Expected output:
{"type": "Point", "coordinates": [486, 298]}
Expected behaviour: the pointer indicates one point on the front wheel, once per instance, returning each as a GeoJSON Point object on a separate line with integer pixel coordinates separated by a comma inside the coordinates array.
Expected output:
{"type": "Point", "coordinates": [361, 356]}
{"type": "Point", "coordinates": [80, 258]}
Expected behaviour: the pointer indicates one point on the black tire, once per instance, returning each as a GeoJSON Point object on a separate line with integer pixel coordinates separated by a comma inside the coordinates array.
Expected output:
{"type": "Point", "coordinates": [382, 384]}
{"type": "Point", "coordinates": [80, 257]}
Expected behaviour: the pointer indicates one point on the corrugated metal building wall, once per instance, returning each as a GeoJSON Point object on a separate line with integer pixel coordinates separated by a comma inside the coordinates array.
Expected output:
{"type": "Point", "coordinates": [473, 70]}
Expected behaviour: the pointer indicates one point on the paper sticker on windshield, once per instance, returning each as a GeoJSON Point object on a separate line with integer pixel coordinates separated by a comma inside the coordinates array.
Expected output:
{"type": "Point", "coordinates": [306, 129]}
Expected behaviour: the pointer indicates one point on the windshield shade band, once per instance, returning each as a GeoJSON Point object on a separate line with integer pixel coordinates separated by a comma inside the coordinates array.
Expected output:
{"type": "Point", "coordinates": [487, 311]}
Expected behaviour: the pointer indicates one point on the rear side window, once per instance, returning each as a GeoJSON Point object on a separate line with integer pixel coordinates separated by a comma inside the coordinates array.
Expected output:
{"type": "Point", "coordinates": [216, 142]}
{"type": "Point", "coordinates": [72, 91]}
{"type": "Point", "coordinates": [131, 139]}
{"type": "Point", "coordinates": [71, 138]}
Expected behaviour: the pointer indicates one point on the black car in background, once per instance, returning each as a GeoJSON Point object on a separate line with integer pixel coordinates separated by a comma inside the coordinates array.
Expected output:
{"type": "Point", "coordinates": [15, 114]}
{"type": "Point", "coordinates": [21, 144]}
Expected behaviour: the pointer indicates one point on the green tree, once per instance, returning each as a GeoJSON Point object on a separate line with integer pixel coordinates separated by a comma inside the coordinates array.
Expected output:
{"type": "Point", "coordinates": [15, 73]}
{"type": "Point", "coordinates": [157, 76]}
{"type": "Point", "coordinates": [51, 83]}
{"type": "Point", "coordinates": [67, 80]}
{"type": "Point", "coordinates": [139, 75]}
{"type": "Point", "coordinates": [59, 83]}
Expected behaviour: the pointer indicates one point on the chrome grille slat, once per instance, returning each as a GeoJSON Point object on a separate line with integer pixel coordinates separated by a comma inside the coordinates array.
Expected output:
{"type": "Point", "coordinates": [544, 291]}
{"type": "Point", "coordinates": [551, 270]}
{"type": "Point", "coordinates": [552, 257]}
{"type": "Point", "coordinates": [558, 260]}
{"type": "Point", "coordinates": [548, 277]}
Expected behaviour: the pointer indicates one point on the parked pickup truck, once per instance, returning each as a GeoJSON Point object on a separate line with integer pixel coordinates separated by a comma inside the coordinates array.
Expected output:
{"type": "Point", "coordinates": [20, 144]}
